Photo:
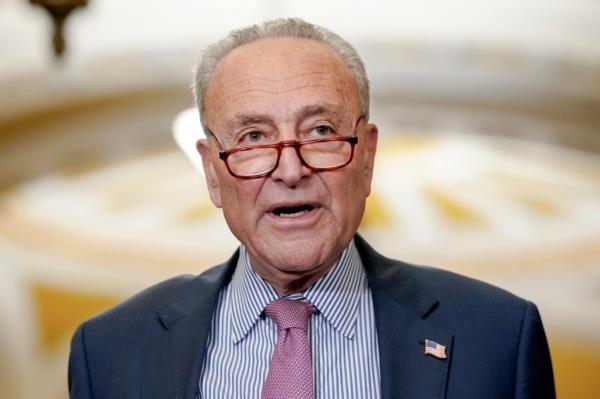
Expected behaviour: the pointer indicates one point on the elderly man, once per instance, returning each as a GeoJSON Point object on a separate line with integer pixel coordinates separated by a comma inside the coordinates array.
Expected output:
{"type": "Point", "coordinates": [305, 308]}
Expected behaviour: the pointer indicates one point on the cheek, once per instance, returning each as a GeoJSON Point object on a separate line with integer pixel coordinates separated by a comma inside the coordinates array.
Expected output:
{"type": "Point", "coordinates": [349, 195]}
{"type": "Point", "coordinates": [358, 182]}
{"type": "Point", "coordinates": [240, 200]}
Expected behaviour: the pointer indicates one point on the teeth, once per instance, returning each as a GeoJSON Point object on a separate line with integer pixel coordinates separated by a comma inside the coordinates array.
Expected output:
{"type": "Point", "coordinates": [293, 215]}
{"type": "Point", "coordinates": [292, 211]}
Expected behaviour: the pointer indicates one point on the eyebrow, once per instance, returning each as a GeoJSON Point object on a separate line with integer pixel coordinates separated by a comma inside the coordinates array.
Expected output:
{"type": "Point", "coordinates": [305, 112]}
{"type": "Point", "coordinates": [319, 109]}
{"type": "Point", "coordinates": [242, 120]}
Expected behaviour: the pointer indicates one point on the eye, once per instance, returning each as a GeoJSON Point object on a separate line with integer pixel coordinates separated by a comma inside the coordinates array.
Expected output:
{"type": "Point", "coordinates": [323, 131]}
{"type": "Point", "coordinates": [254, 136]}
{"type": "Point", "coordinates": [251, 138]}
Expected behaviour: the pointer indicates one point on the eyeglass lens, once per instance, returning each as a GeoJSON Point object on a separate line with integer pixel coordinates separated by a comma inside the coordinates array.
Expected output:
{"type": "Point", "coordinates": [255, 161]}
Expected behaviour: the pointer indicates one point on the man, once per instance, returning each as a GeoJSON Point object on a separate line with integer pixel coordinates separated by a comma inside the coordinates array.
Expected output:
{"type": "Point", "coordinates": [305, 308]}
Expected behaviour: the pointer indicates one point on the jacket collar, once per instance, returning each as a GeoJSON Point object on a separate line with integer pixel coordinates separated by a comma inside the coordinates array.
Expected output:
{"type": "Point", "coordinates": [173, 358]}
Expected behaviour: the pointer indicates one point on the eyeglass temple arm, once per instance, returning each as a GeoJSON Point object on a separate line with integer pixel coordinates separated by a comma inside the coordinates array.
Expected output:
{"type": "Point", "coordinates": [209, 134]}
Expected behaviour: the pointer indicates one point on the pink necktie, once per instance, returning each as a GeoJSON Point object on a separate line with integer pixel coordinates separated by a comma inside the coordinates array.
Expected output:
{"type": "Point", "coordinates": [290, 371]}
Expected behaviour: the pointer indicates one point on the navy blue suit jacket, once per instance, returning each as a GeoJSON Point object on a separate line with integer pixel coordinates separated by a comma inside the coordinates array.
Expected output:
{"type": "Point", "coordinates": [152, 346]}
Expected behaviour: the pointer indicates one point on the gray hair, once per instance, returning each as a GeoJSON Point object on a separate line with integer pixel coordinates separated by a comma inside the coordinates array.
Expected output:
{"type": "Point", "coordinates": [288, 27]}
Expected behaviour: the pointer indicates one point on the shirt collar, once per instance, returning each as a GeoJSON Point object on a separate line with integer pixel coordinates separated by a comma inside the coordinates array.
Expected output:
{"type": "Point", "coordinates": [336, 295]}
{"type": "Point", "coordinates": [249, 296]}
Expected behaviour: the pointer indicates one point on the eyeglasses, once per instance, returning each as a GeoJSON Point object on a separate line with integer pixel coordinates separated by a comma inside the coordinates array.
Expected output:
{"type": "Point", "coordinates": [318, 155]}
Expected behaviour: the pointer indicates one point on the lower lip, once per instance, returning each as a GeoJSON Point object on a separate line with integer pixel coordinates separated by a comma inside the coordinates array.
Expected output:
{"type": "Point", "coordinates": [302, 219]}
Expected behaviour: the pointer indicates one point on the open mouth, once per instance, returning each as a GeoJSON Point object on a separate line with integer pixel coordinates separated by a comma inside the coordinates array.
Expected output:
{"type": "Point", "coordinates": [292, 211]}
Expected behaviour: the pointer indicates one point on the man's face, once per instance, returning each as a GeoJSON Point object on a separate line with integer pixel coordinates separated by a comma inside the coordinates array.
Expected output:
{"type": "Point", "coordinates": [294, 222]}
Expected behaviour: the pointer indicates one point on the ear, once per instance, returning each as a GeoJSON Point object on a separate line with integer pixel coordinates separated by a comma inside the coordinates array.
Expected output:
{"type": "Point", "coordinates": [212, 180]}
{"type": "Point", "coordinates": [370, 139]}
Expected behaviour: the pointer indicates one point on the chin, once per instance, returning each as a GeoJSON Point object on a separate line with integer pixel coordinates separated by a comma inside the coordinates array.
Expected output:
{"type": "Point", "coordinates": [302, 255]}
{"type": "Point", "coordinates": [299, 264]}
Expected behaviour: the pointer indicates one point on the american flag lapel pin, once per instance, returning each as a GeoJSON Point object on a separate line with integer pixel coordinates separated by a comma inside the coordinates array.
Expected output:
{"type": "Point", "coordinates": [434, 349]}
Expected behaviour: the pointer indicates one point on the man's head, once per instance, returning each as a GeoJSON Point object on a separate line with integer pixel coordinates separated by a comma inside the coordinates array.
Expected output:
{"type": "Point", "coordinates": [291, 27]}
{"type": "Point", "coordinates": [287, 81]}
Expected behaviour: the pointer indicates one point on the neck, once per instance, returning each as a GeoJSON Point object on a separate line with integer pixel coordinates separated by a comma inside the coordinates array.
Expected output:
{"type": "Point", "coordinates": [292, 287]}
{"type": "Point", "coordinates": [286, 282]}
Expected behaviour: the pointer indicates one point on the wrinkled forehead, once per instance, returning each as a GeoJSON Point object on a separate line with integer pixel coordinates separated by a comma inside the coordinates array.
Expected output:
{"type": "Point", "coordinates": [280, 77]}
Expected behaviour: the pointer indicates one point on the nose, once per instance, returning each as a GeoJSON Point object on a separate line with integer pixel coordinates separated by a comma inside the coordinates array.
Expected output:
{"type": "Point", "coordinates": [290, 169]}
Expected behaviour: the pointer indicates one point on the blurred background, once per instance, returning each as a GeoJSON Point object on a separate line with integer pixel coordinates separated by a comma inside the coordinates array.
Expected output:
{"type": "Point", "coordinates": [488, 165]}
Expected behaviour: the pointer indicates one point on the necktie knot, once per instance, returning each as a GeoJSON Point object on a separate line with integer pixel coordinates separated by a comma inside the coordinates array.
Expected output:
{"type": "Point", "coordinates": [288, 313]}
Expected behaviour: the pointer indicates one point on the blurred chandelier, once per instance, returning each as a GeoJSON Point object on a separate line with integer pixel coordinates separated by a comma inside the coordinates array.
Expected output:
{"type": "Point", "coordinates": [59, 10]}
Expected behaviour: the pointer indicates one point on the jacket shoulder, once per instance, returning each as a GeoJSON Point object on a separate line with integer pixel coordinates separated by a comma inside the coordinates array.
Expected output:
{"type": "Point", "coordinates": [139, 311]}
{"type": "Point", "coordinates": [447, 285]}
{"type": "Point", "coordinates": [466, 303]}
{"type": "Point", "coordinates": [406, 281]}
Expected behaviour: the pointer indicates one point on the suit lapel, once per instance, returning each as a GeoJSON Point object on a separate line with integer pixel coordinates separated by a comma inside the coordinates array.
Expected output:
{"type": "Point", "coordinates": [173, 357]}
{"type": "Point", "coordinates": [401, 311]}
{"type": "Point", "coordinates": [406, 372]}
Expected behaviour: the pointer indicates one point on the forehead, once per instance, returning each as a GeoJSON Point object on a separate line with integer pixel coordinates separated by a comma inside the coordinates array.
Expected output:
{"type": "Point", "coordinates": [278, 78]}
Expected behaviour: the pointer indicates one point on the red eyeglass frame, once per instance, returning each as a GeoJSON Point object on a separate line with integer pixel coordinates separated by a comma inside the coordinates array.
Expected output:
{"type": "Point", "coordinates": [224, 154]}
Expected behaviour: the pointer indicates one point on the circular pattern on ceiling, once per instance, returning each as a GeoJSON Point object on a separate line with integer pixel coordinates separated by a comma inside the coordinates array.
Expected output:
{"type": "Point", "coordinates": [456, 199]}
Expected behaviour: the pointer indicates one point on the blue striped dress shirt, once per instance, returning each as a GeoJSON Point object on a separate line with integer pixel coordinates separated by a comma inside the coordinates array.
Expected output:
{"type": "Point", "coordinates": [342, 333]}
